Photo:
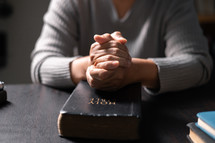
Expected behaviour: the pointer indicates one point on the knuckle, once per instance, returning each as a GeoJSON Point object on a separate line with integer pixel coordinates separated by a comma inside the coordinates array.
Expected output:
{"type": "Point", "coordinates": [105, 64]}
{"type": "Point", "coordinates": [100, 65]}
{"type": "Point", "coordinates": [115, 43]}
{"type": "Point", "coordinates": [118, 44]}
{"type": "Point", "coordinates": [109, 57]}
{"type": "Point", "coordinates": [107, 35]}
{"type": "Point", "coordinates": [93, 45]}
{"type": "Point", "coordinates": [116, 51]}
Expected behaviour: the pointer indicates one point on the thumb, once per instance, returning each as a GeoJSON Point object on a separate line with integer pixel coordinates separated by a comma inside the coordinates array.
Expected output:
{"type": "Point", "coordinates": [101, 39]}
{"type": "Point", "coordinates": [118, 37]}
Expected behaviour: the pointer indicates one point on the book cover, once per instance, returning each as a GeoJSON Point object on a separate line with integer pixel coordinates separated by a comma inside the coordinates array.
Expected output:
{"type": "Point", "coordinates": [206, 121]}
{"type": "Point", "coordinates": [196, 135]}
{"type": "Point", "coordinates": [90, 113]}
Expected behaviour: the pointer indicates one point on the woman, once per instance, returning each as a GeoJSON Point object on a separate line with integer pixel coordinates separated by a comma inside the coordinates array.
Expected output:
{"type": "Point", "coordinates": [158, 43]}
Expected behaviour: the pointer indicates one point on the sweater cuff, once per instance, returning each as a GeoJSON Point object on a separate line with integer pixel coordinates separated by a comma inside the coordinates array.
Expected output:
{"type": "Point", "coordinates": [173, 74]}
{"type": "Point", "coordinates": [55, 72]}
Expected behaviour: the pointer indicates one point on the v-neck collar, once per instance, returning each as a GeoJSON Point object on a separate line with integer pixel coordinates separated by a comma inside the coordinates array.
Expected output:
{"type": "Point", "coordinates": [126, 16]}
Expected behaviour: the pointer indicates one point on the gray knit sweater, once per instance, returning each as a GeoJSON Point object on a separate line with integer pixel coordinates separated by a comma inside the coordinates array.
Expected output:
{"type": "Point", "coordinates": [166, 31]}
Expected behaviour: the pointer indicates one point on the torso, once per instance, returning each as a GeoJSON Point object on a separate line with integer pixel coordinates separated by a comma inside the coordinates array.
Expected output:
{"type": "Point", "coordinates": [122, 6]}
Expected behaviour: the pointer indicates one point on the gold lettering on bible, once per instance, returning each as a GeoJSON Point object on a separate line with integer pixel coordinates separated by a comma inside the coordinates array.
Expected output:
{"type": "Point", "coordinates": [101, 101]}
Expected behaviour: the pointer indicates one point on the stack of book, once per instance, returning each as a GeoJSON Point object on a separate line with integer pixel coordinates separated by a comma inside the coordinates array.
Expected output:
{"type": "Point", "coordinates": [203, 131]}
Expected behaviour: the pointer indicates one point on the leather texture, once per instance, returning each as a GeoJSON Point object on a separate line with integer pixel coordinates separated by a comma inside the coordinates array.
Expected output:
{"type": "Point", "coordinates": [92, 114]}
{"type": "Point", "coordinates": [88, 101]}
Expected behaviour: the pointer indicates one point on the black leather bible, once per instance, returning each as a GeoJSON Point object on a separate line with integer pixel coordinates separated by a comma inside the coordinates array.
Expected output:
{"type": "Point", "coordinates": [94, 114]}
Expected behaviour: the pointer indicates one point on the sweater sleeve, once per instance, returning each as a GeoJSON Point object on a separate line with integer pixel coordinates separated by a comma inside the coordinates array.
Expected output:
{"type": "Point", "coordinates": [187, 63]}
{"type": "Point", "coordinates": [57, 45]}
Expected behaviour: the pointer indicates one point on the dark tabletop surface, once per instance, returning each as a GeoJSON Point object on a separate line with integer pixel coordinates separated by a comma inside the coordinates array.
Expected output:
{"type": "Point", "coordinates": [31, 111]}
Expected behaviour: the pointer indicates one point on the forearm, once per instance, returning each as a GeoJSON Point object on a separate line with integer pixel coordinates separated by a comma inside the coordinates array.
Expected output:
{"type": "Point", "coordinates": [60, 72]}
{"type": "Point", "coordinates": [54, 71]}
{"type": "Point", "coordinates": [144, 71]}
{"type": "Point", "coordinates": [183, 71]}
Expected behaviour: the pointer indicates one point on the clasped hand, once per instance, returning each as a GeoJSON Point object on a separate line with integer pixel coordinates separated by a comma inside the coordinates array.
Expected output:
{"type": "Point", "coordinates": [109, 62]}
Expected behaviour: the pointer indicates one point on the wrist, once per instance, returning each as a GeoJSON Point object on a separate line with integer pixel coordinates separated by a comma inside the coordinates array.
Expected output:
{"type": "Point", "coordinates": [144, 71]}
{"type": "Point", "coordinates": [78, 69]}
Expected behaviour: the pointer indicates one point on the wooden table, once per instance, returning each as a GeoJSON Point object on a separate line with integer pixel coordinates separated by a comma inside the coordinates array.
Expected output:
{"type": "Point", "coordinates": [31, 112]}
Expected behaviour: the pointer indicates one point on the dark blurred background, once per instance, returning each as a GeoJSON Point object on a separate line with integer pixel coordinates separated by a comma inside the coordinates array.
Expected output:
{"type": "Point", "coordinates": [20, 26]}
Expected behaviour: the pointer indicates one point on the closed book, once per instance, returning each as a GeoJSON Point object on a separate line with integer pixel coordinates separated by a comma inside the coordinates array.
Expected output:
{"type": "Point", "coordinates": [196, 135]}
{"type": "Point", "coordinates": [93, 114]}
{"type": "Point", "coordinates": [206, 122]}
{"type": "Point", "coordinates": [3, 96]}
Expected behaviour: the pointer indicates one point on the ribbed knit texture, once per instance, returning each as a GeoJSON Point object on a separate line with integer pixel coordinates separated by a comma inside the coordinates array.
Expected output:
{"type": "Point", "coordinates": [166, 31]}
